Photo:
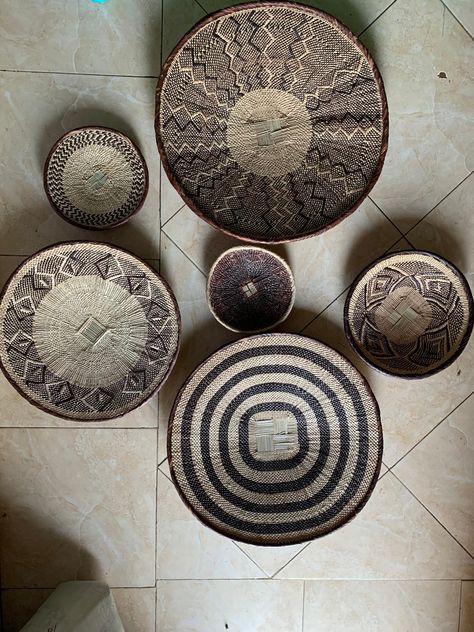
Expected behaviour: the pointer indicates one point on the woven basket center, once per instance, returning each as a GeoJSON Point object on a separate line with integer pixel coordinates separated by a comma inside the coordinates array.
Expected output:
{"type": "Point", "coordinates": [273, 435]}
{"type": "Point", "coordinates": [403, 316]}
{"type": "Point", "coordinates": [97, 179]}
{"type": "Point", "coordinates": [89, 331]}
{"type": "Point", "coordinates": [269, 132]}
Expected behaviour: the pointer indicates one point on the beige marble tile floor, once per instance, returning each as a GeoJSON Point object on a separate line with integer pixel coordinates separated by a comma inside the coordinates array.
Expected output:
{"type": "Point", "coordinates": [95, 501]}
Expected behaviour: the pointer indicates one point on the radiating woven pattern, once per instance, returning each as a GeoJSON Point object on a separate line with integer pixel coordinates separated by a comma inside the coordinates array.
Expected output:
{"type": "Point", "coordinates": [409, 314]}
{"type": "Point", "coordinates": [250, 289]}
{"type": "Point", "coordinates": [275, 439]}
{"type": "Point", "coordinates": [88, 331]}
{"type": "Point", "coordinates": [96, 177]}
{"type": "Point", "coordinates": [271, 121]}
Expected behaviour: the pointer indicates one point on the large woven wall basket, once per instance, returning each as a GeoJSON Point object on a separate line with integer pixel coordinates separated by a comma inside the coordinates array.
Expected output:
{"type": "Point", "coordinates": [88, 331]}
{"type": "Point", "coordinates": [271, 121]}
{"type": "Point", "coordinates": [275, 439]}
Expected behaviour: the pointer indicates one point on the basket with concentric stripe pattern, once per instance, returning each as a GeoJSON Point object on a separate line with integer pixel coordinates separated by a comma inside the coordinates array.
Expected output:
{"type": "Point", "coordinates": [275, 439]}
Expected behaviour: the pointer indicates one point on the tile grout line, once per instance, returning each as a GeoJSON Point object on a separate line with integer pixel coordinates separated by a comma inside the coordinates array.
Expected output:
{"type": "Point", "coordinates": [386, 216]}
{"type": "Point", "coordinates": [460, 606]}
{"type": "Point", "coordinates": [187, 256]}
{"type": "Point", "coordinates": [347, 288]}
{"type": "Point", "coordinates": [302, 609]}
{"type": "Point", "coordinates": [76, 74]}
{"type": "Point", "coordinates": [433, 516]}
{"type": "Point", "coordinates": [252, 560]}
{"type": "Point", "coordinates": [430, 431]}
{"type": "Point", "coordinates": [174, 214]}
{"type": "Point", "coordinates": [274, 576]}
{"type": "Point", "coordinates": [375, 20]}
{"type": "Point", "coordinates": [456, 18]}
{"type": "Point", "coordinates": [438, 203]}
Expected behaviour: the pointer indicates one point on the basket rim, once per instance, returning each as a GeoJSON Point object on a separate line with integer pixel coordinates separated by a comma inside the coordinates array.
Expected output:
{"type": "Point", "coordinates": [284, 265]}
{"type": "Point", "coordinates": [304, 538]}
{"type": "Point", "coordinates": [170, 367]}
{"type": "Point", "coordinates": [106, 129]}
{"type": "Point", "coordinates": [467, 334]}
{"type": "Point", "coordinates": [271, 4]}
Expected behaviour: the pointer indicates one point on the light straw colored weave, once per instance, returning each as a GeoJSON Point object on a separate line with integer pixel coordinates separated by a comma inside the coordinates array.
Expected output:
{"type": "Point", "coordinates": [96, 177]}
{"type": "Point", "coordinates": [88, 331]}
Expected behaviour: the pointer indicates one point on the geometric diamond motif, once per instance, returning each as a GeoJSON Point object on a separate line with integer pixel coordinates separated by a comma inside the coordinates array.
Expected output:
{"type": "Point", "coordinates": [97, 399]}
{"type": "Point", "coordinates": [109, 267]}
{"type": "Point", "coordinates": [34, 372]}
{"type": "Point", "coordinates": [21, 342]}
{"type": "Point", "coordinates": [24, 307]}
{"type": "Point", "coordinates": [59, 392]}
{"type": "Point", "coordinates": [139, 286]}
{"type": "Point", "coordinates": [135, 382]}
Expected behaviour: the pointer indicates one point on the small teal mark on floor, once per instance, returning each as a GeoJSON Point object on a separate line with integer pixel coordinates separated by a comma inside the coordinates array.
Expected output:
{"type": "Point", "coordinates": [100, 1]}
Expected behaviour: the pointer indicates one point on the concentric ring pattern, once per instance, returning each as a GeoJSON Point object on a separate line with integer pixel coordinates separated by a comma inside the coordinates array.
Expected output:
{"type": "Point", "coordinates": [275, 439]}
{"type": "Point", "coordinates": [88, 330]}
{"type": "Point", "coordinates": [96, 178]}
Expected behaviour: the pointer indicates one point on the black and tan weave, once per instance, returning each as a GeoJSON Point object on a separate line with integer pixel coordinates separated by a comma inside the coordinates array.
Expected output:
{"type": "Point", "coordinates": [275, 439]}
{"type": "Point", "coordinates": [88, 331]}
{"type": "Point", "coordinates": [409, 314]}
{"type": "Point", "coordinates": [95, 178]}
{"type": "Point", "coordinates": [271, 121]}
{"type": "Point", "coordinates": [250, 289]}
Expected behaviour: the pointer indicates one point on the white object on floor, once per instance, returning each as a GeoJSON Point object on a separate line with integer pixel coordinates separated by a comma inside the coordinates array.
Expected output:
{"type": "Point", "coordinates": [77, 607]}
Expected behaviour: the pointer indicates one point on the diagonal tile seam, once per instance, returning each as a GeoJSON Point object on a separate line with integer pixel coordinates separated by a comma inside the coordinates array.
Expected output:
{"type": "Point", "coordinates": [456, 18]}
{"type": "Point", "coordinates": [438, 204]}
{"type": "Point", "coordinates": [186, 255]}
{"type": "Point", "coordinates": [347, 288]}
{"type": "Point", "coordinates": [430, 431]}
{"type": "Point", "coordinates": [233, 542]}
{"type": "Point", "coordinates": [375, 19]}
{"type": "Point", "coordinates": [77, 74]}
{"type": "Point", "coordinates": [174, 214]}
{"type": "Point", "coordinates": [432, 515]}
{"type": "Point", "coordinates": [386, 216]}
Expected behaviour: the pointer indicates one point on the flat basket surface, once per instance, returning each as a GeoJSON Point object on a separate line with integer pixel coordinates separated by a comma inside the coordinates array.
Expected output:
{"type": "Point", "coordinates": [250, 289]}
{"type": "Point", "coordinates": [88, 331]}
{"type": "Point", "coordinates": [95, 178]}
{"type": "Point", "coordinates": [275, 439]}
{"type": "Point", "coordinates": [271, 121]}
{"type": "Point", "coordinates": [409, 314]}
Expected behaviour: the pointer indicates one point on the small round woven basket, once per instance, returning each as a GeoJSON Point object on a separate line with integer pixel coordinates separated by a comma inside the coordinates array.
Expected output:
{"type": "Point", "coordinates": [250, 289]}
{"type": "Point", "coordinates": [271, 121]}
{"type": "Point", "coordinates": [95, 178]}
{"type": "Point", "coordinates": [275, 439]}
{"type": "Point", "coordinates": [409, 314]}
{"type": "Point", "coordinates": [88, 331]}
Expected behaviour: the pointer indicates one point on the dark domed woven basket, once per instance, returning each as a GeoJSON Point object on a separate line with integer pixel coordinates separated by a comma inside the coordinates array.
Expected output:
{"type": "Point", "coordinates": [271, 121]}
{"type": "Point", "coordinates": [96, 178]}
{"type": "Point", "coordinates": [88, 331]}
{"type": "Point", "coordinates": [409, 314]}
{"type": "Point", "coordinates": [275, 439]}
{"type": "Point", "coordinates": [250, 289]}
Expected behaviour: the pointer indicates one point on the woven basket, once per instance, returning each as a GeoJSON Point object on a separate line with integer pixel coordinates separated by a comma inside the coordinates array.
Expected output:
{"type": "Point", "coordinates": [409, 314]}
{"type": "Point", "coordinates": [95, 178]}
{"type": "Point", "coordinates": [271, 121]}
{"type": "Point", "coordinates": [275, 439]}
{"type": "Point", "coordinates": [250, 289]}
{"type": "Point", "coordinates": [88, 331]}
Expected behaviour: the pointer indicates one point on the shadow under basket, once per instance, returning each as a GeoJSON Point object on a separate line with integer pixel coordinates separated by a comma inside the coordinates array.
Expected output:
{"type": "Point", "coordinates": [89, 331]}
{"type": "Point", "coordinates": [409, 314]}
{"type": "Point", "coordinates": [250, 289]}
{"type": "Point", "coordinates": [271, 121]}
{"type": "Point", "coordinates": [275, 439]}
{"type": "Point", "coordinates": [95, 178]}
